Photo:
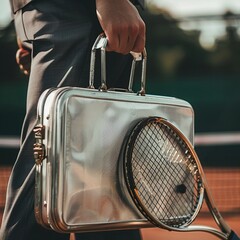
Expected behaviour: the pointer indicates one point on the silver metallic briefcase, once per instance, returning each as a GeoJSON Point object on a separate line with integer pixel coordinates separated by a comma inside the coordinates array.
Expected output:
{"type": "Point", "coordinates": [78, 141]}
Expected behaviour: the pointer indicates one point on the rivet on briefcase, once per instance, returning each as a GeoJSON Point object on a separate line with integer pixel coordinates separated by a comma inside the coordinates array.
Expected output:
{"type": "Point", "coordinates": [80, 149]}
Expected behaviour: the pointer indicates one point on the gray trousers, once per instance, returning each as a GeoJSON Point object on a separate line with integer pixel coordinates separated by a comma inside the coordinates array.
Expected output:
{"type": "Point", "coordinates": [60, 37]}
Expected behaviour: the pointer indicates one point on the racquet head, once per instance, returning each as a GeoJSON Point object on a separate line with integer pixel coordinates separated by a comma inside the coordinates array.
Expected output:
{"type": "Point", "coordinates": [162, 174]}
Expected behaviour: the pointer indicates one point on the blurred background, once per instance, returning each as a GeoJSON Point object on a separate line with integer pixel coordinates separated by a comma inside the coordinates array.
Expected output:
{"type": "Point", "coordinates": [193, 54]}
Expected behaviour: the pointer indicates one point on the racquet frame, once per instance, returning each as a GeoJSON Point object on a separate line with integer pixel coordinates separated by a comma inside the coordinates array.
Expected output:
{"type": "Point", "coordinates": [205, 194]}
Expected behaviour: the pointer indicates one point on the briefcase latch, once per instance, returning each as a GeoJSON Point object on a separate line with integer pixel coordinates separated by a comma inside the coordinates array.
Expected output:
{"type": "Point", "coordinates": [38, 146]}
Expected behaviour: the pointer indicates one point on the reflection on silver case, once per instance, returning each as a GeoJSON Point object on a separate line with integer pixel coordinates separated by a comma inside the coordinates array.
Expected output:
{"type": "Point", "coordinates": [79, 137]}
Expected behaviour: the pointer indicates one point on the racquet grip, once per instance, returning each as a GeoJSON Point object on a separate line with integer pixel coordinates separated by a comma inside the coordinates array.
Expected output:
{"type": "Point", "coordinates": [233, 236]}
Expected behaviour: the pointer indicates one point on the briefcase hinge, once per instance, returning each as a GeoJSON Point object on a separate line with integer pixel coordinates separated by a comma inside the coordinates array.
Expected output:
{"type": "Point", "coordinates": [38, 147]}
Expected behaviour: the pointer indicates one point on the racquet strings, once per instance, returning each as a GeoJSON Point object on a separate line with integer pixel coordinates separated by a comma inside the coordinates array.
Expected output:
{"type": "Point", "coordinates": [162, 175]}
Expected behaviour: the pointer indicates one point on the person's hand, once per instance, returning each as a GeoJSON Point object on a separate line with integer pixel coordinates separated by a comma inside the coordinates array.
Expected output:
{"type": "Point", "coordinates": [23, 58]}
{"type": "Point", "coordinates": [122, 25]}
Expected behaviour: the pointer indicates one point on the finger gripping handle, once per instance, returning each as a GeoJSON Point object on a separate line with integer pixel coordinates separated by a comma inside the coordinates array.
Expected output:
{"type": "Point", "coordinates": [101, 43]}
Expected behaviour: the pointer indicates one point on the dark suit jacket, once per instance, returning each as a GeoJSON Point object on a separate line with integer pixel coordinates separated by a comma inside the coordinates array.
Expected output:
{"type": "Point", "coordinates": [17, 4]}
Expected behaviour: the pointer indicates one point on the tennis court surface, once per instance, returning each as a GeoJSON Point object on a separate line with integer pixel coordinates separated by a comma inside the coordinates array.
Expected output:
{"type": "Point", "coordinates": [225, 186]}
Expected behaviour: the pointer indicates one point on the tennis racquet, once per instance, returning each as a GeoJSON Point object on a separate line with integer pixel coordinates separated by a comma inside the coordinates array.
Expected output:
{"type": "Point", "coordinates": [165, 178]}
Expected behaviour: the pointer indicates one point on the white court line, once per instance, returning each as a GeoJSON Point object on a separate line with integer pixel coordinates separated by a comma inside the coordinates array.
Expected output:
{"type": "Point", "coordinates": [200, 139]}
{"type": "Point", "coordinates": [9, 142]}
{"type": "Point", "coordinates": [207, 139]}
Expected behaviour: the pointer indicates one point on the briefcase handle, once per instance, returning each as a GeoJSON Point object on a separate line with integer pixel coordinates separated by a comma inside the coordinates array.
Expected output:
{"type": "Point", "coordinates": [101, 43]}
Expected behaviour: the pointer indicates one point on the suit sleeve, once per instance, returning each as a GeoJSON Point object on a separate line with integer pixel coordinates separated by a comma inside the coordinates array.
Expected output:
{"type": "Point", "coordinates": [139, 3]}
